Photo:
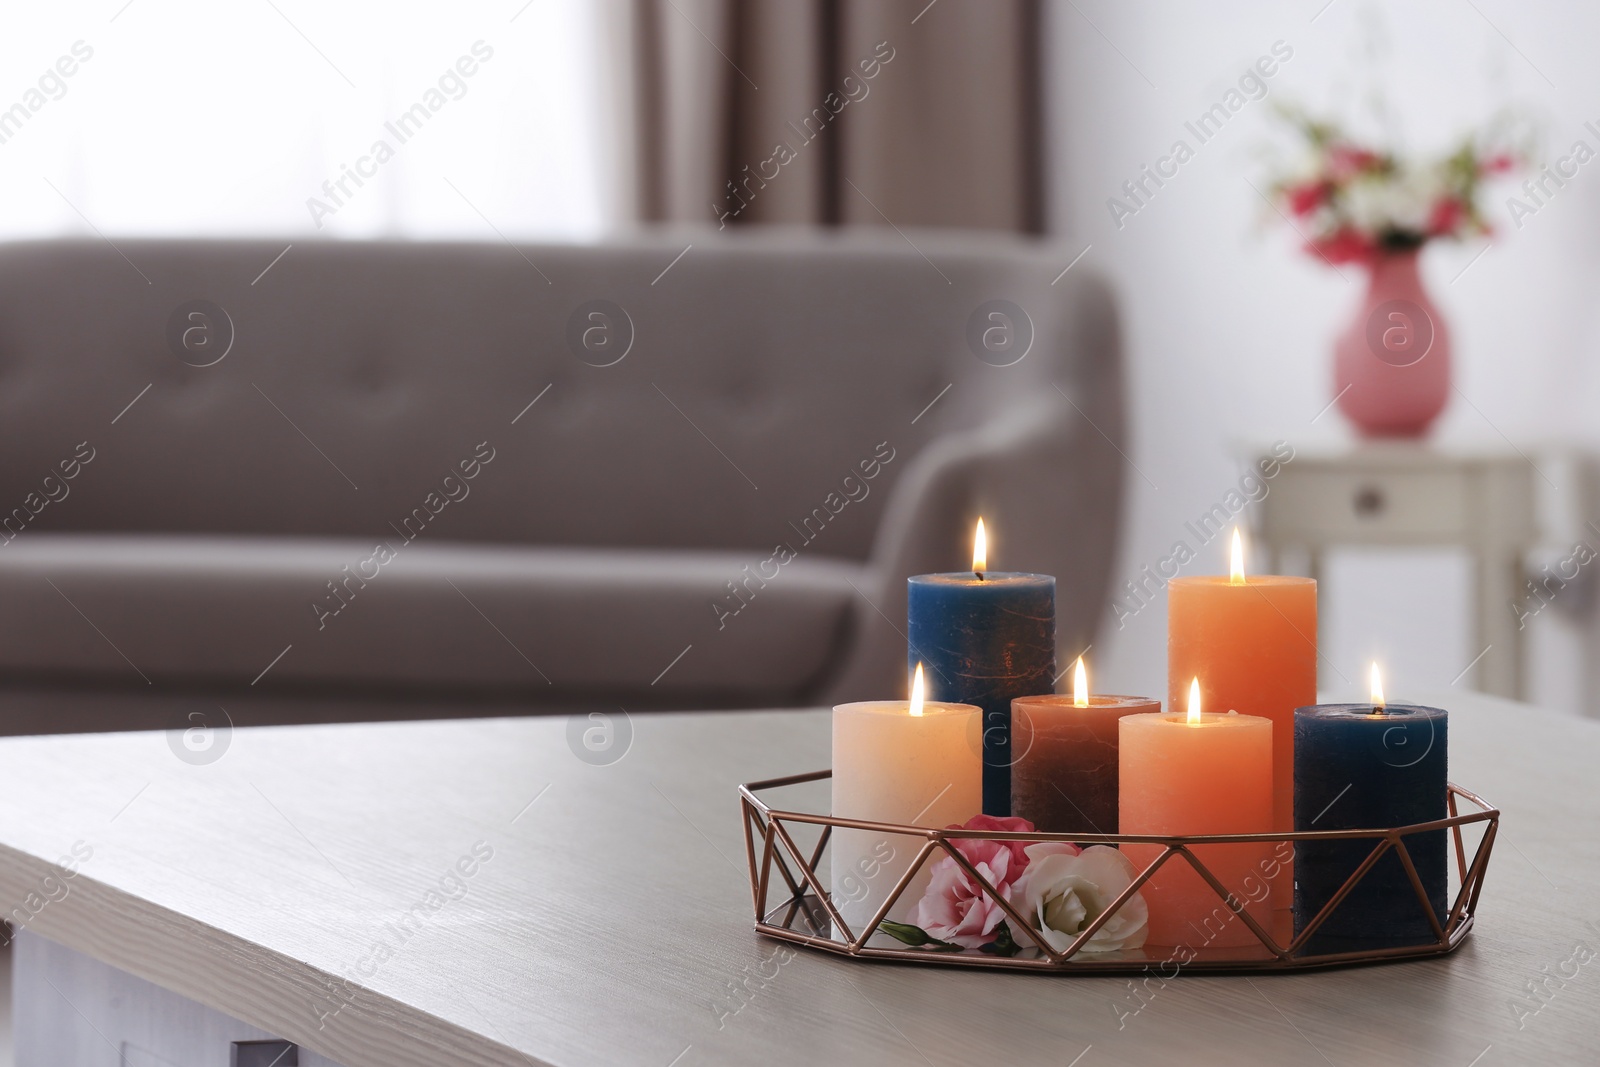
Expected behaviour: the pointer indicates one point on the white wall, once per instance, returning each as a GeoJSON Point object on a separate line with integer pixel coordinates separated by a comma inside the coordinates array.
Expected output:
{"type": "Point", "coordinates": [1229, 325]}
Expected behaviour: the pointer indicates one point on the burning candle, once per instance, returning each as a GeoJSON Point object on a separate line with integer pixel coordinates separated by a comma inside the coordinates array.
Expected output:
{"type": "Point", "coordinates": [1199, 773]}
{"type": "Point", "coordinates": [1064, 771]}
{"type": "Point", "coordinates": [1253, 643]}
{"type": "Point", "coordinates": [1363, 767]}
{"type": "Point", "coordinates": [987, 637]}
{"type": "Point", "coordinates": [912, 762]}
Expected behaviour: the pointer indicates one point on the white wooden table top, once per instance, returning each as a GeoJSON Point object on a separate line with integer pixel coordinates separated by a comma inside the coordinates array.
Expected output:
{"type": "Point", "coordinates": [612, 923]}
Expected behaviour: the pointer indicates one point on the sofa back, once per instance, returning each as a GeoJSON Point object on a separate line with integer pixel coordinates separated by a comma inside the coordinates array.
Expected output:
{"type": "Point", "coordinates": [619, 394]}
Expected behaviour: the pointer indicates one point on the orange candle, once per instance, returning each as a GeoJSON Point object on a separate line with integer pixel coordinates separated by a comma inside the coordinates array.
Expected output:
{"type": "Point", "coordinates": [1193, 773]}
{"type": "Point", "coordinates": [1252, 642]}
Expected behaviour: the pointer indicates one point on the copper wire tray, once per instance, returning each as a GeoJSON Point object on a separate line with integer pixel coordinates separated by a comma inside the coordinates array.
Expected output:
{"type": "Point", "coordinates": [797, 907]}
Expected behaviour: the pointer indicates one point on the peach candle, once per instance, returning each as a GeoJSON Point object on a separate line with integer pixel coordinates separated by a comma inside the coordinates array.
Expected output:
{"type": "Point", "coordinates": [915, 762]}
{"type": "Point", "coordinates": [1196, 773]}
{"type": "Point", "coordinates": [1252, 642]}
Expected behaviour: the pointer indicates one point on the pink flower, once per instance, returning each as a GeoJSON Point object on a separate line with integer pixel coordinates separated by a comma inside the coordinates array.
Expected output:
{"type": "Point", "coordinates": [954, 908]}
{"type": "Point", "coordinates": [978, 850]}
{"type": "Point", "coordinates": [1346, 161]}
{"type": "Point", "coordinates": [1446, 216]}
{"type": "Point", "coordinates": [1306, 198]}
{"type": "Point", "coordinates": [1499, 163]}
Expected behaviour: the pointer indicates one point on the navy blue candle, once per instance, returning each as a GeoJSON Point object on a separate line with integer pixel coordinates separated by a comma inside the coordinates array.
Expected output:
{"type": "Point", "coordinates": [985, 638]}
{"type": "Point", "coordinates": [1360, 767]}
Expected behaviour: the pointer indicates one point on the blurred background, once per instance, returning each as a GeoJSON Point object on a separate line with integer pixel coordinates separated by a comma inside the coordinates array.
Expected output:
{"type": "Point", "coordinates": [583, 121]}
{"type": "Point", "coordinates": [1231, 325]}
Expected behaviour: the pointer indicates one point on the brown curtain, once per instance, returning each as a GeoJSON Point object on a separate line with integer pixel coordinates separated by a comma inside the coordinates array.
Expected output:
{"type": "Point", "coordinates": [838, 112]}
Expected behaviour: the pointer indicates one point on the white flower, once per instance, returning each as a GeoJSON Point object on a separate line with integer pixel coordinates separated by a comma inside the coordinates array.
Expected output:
{"type": "Point", "coordinates": [1403, 201]}
{"type": "Point", "coordinates": [1065, 890]}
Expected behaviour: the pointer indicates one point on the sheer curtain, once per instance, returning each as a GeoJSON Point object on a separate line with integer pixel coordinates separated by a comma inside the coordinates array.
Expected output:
{"type": "Point", "coordinates": [326, 118]}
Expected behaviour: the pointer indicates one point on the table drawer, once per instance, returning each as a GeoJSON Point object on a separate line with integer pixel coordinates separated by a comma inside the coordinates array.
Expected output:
{"type": "Point", "coordinates": [1314, 507]}
{"type": "Point", "coordinates": [72, 1009]}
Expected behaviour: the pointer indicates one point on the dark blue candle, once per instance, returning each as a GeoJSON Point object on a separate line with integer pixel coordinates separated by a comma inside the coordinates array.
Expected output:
{"type": "Point", "coordinates": [985, 640]}
{"type": "Point", "coordinates": [1360, 767]}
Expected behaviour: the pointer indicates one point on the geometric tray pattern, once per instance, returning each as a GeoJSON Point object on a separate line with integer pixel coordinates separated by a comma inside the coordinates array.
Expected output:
{"type": "Point", "coordinates": [794, 906]}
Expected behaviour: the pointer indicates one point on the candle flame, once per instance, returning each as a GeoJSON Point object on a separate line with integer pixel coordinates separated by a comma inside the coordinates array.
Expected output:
{"type": "Point", "coordinates": [917, 688]}
{"type": "Point", "coordinates": [980, 550]}
{"type": "Point", "coordinates": [1236, 560]}
{"type": "Point", "coordinates": [1377, 689]}
{"type": "Point", "coordinates": [1194, 701]}
{"type": "Point", "coordinates": [1080, 686]}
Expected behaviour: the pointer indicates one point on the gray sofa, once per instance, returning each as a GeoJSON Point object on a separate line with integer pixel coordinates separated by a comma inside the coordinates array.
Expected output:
{"type": "Point", "coordinates": [379, 470]}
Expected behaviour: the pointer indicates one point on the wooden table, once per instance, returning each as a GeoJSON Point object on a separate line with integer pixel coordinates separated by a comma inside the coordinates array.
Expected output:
{"type": "Point", "coordinates": [611, 925]}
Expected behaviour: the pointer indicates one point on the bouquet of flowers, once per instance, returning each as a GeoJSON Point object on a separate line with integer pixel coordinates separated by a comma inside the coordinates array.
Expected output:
{"type": "Point", "coordinates": [1058, 887]}
{"type": "Point", "coordinates": [1354, 202]}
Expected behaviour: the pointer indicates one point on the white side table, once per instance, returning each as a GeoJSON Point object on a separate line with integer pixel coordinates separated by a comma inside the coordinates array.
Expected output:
{"type": "Point", "coordinates": [1415, 494]}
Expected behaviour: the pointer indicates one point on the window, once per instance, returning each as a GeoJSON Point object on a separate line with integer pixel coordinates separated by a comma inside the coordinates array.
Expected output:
{"type": "Point", "coordinates": [355, 118]}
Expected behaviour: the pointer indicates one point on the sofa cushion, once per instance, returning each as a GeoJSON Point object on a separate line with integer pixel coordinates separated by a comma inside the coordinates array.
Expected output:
{"type": "Point", "coordinates": [608, 623]}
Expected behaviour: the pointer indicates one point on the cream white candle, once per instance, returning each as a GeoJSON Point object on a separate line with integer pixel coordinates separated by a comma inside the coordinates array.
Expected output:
{"type": "Point", "coordinates": [908, 762]}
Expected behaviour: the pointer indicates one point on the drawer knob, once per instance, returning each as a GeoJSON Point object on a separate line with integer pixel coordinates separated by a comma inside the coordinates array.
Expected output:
{"type": "Point", "coordinates": [1369, 501]}
{"type": "Point", "coordinates": [264, 1054]}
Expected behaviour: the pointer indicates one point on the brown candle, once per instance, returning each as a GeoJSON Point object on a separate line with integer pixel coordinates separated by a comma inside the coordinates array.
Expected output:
{"type": "Point", "coordinates": [1064, 779]}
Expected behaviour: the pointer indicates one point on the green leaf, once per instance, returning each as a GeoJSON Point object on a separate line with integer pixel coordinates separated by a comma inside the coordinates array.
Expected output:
{"type": "Point", "coordinates": [916, 937]}
{"type": "Point", "coordinates": [1002, 945]}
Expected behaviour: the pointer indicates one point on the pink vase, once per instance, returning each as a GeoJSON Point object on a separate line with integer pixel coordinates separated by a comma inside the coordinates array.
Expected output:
{"type": "Point", "coordinates": [1391, 365]}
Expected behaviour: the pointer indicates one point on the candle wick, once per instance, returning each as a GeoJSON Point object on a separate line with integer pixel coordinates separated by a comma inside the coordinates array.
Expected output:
{"type": "Point", "coordinates": [979, 574]}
